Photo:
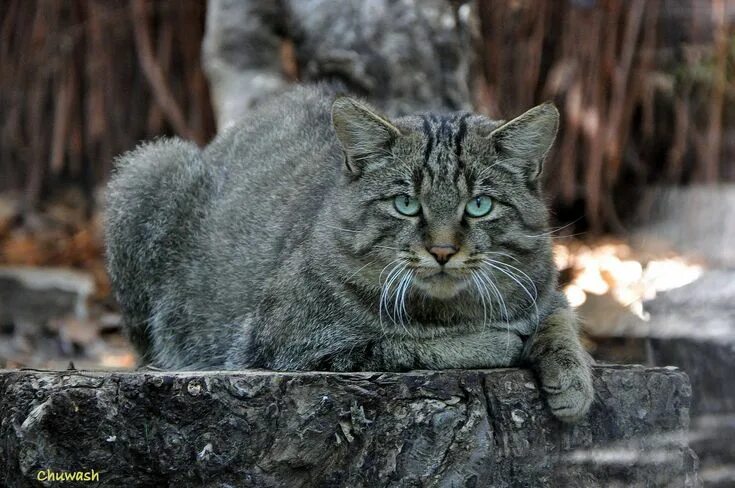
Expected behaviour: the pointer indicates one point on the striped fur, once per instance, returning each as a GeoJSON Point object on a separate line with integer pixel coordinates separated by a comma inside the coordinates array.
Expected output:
{"type": "Point", "coordinates": [279, 246]}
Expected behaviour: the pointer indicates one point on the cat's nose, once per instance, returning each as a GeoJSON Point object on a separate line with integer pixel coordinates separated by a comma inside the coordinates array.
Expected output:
{"type": "Point", "coordinates": [443, 252]}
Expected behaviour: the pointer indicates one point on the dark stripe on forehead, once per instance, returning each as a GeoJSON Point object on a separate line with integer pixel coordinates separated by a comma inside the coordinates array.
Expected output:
{"type": "Point", "coordinates": [429, 139]}
{"type": "Point", "coordinates": [429, 172]}
{"type": "Point", "coordinates": [444, 129]}
{"type": "Point", "coordinates": [459, 135]}
{"type": "Point", "coordinates": [418, 177]}
{"type": "Point", "coordinates": [442, 162]}
{"type": "Point", "coordinates": [458, 171]}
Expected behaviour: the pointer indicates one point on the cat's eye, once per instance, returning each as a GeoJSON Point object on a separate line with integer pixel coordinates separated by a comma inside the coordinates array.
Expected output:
{"type": "Point", "coordinates": [407, 205]}
{"type": "Point", "coordinates": [479, 206]}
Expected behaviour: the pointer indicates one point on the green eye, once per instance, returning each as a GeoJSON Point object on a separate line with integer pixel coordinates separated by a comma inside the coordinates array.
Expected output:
{"type": "Point", "coordinates": [407, 205]}
{"type": "Point", "coordinates": [479, 206]}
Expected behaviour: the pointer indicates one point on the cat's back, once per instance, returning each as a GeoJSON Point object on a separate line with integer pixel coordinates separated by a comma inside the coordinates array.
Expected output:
{"type": "Point", "coordinates": [277, 169]}
{"type": "Point", "coordinates": [277, 166]}
{"type": "Point", "coordinates": [279, 142]}
{"type": "Point", "coordinates": [193, 234]}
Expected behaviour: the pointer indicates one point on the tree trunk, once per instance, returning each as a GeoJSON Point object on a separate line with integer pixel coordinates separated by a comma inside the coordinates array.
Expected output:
{"type": "Point", "coordinates": [424, 428]}
{"type": "Point", "coordinates": [405, 57]}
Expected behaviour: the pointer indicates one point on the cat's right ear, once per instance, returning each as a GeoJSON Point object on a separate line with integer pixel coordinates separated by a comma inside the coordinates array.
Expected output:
{"type": "Point", "coordinates": [363, 133]}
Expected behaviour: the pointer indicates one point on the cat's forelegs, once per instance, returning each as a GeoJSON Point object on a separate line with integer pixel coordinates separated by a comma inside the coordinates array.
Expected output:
{"type": "Point", "coordinates": [562, 365]}
{"type": "Point", "coordinates": [488, 348]}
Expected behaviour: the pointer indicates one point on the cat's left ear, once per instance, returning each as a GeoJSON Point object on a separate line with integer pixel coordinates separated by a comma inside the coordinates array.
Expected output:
{"type": "Point", "coordinates": [364, 133]}
{"type": "Point", "coordinates": [527, 138]}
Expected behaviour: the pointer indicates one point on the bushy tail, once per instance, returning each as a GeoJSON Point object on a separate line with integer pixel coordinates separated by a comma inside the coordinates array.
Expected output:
{"type": "Point", "coordinates": [155, 203]}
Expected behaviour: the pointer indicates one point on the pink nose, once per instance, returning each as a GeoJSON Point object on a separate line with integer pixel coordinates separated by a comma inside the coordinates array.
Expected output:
{"type": "Point", "coordinates": [443, 252]}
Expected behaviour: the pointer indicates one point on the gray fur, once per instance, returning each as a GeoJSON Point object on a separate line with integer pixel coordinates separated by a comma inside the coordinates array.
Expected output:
{"type": "Point", "coordinates": [278, 246]}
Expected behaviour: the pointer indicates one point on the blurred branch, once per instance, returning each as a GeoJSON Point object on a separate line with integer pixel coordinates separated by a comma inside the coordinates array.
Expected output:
{"type": "Point", "coordinates": [153, 72]}
{"type": "Point", "coordinates": [645, 89]}
{"type": "Point", "coordinates": [78, 80]}
{"type": "Point", "coordinates": [714, 130]}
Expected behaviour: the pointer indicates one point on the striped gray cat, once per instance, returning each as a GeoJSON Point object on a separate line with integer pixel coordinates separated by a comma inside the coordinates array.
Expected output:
{"type": "Point", "coordinates": [319, 235]}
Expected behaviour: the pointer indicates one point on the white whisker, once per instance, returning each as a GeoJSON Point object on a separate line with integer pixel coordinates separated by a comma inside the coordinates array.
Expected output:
{"type": "Point", "coordinates": [512, 276]}
{"type": "Point", "coordinates": [395, 315]}
{"type": "Point", "coordinates": [380, 277]}
{"type": "Point", "coordinates": [340, 228]}
{"type": "Point", "coordinates": [400, 297]}
{"type": "Point", "coordinates": [504, 307]}
{"type": "Point", "coordinates": [502, 254]}
{"type": "Point", "coordinates": [384, 287]}
{"type": "Point", "coordinates": [346, 280]}
{"type": "Point", "coordinates": [530, 281]}
{"type": "Point", "coordinates": [388, 247]}
{"type": "Point", "coordinates": [482, 298]}
{"type": "Point", "coordinates": [496, 293]}
{"type": "Point", "coordinates": [553, 231]}
{"type": "Point", "coordinates": [403, 297]}
{"type": "Point", "coordinates": [386, 295]}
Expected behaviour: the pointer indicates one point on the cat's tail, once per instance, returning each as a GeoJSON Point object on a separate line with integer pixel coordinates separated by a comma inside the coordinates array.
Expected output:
{"type": "Point", "coordinates": [155, 203]}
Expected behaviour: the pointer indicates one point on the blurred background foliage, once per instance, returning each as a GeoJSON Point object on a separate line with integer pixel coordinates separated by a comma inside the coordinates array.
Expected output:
{"type": "Point", "coordinates": [84, 80]}
{"type": "Point", "coordinates": [645, 87]}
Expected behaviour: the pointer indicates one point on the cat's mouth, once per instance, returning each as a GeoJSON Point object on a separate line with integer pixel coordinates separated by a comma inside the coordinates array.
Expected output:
{"type": "Point", "coordinates": [441, 283]}
{"type": "Point", "coordinates": [443, 273]}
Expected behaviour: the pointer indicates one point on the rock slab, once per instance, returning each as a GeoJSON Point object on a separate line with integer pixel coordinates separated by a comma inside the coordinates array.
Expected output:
{"type": "Point", "coordinates": [424, 428]}
{"type": "Point", "coordinates": [692, 328]}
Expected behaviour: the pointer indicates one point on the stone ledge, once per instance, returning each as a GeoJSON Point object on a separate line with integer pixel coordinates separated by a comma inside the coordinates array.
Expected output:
{"type": "Point", "coordinates": [423, 428]}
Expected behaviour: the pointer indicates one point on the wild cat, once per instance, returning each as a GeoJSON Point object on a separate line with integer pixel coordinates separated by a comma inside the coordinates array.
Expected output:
{"type": "Point", "coordinates": [319, 235]}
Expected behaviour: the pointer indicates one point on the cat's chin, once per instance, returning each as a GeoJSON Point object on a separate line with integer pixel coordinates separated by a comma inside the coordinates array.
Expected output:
{"type": "Point", "coordinates": [444, 288]}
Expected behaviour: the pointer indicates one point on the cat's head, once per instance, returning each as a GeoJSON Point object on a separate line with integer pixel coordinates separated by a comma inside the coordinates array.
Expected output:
{"type": "Point", "coordinates": [445, 204]}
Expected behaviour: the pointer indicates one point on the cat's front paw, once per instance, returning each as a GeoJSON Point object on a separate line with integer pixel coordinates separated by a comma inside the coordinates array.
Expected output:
{"type": "Point", "coordinates": [567, 382]}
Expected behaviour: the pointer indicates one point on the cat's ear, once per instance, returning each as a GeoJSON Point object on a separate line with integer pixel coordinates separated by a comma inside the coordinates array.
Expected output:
{"type": "Point", "coordinates": [363, 133]}
{"type": "Point", "coordinates": [527, 138]}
